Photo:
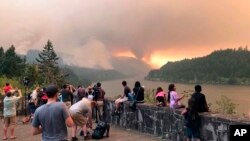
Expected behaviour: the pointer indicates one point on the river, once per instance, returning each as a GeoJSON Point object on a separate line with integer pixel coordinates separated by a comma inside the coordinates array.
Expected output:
{"type": "Point", "coordinates": [239, 95]}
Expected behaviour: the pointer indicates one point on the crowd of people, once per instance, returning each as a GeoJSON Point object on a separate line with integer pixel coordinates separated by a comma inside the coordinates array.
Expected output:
{"type": "Point", "coordinates": [53, 110]}
{"type": "Point", "coordinates": [196, 104]}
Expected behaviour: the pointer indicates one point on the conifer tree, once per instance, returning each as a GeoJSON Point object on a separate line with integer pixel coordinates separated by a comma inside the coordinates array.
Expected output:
{"type": "Point", "coordinates": [48, 65]}
{"type": "Point", "coordinates": [11, 64]}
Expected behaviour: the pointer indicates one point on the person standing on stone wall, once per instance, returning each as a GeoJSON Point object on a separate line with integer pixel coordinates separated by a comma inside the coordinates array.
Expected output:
{"type": "Point", "coordinates": [10, 113]}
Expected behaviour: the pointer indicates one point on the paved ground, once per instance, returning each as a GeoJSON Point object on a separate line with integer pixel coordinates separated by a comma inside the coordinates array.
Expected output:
{"type": "Point", "coordinates": [23, 133]}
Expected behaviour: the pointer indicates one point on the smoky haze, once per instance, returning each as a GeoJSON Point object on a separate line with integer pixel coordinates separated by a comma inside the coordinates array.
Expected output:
{"type": "Point", "coordinates": [97, 29]}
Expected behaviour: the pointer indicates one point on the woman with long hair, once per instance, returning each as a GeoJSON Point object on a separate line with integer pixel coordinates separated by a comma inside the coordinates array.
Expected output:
{"type": "Point", "coordinates": [174, 98]}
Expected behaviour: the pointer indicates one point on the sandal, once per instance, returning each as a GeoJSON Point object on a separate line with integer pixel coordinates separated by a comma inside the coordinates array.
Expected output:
{"type": "Point", "coordinates": [5, 138]}
{"type": "Point", "coordinates": [12, 138]}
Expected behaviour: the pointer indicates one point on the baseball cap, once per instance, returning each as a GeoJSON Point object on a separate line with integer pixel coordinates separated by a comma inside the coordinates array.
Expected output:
{"type": "Point", "coordinates": [51, 89]}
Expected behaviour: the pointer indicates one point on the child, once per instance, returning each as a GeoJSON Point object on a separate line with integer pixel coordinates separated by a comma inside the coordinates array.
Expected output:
{"type": "Point", "coordinates": [192, 121]}
{"type": "Point", "coordinates": [160, 97]}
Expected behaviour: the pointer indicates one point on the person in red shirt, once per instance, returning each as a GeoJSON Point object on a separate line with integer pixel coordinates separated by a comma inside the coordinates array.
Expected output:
{"type": "Point", "coordinates": [7, 88]}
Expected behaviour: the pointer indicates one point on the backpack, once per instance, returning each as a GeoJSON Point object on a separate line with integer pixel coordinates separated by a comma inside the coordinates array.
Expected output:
{"type": "Point", "coordinates": [100, 129]}
{"type": "Point", "coordinates": [44, 96]}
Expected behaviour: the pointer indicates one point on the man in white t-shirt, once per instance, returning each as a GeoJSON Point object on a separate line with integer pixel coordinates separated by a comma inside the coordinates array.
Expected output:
{"type": "Point", "coordinates": [10, 113]}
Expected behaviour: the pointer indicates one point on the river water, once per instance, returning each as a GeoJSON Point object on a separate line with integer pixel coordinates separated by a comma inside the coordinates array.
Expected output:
{"type": "Point", "coordinates": [239, 95]}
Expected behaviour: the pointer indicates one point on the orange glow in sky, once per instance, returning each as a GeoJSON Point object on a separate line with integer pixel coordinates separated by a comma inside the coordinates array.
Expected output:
{"type": "Point", "coordinates": [124, 54]}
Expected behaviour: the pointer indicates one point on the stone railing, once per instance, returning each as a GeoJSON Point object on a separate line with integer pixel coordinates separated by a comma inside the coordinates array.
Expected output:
{"type": "Point", "coordinates": [167, 123]}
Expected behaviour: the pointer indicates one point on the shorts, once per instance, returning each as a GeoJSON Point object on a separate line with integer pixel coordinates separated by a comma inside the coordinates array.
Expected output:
{"type": "Point", "coordinates": [161, 99]}
{"type": "Point", "coordinates": [79, 119]}
{"type": "Point", "coordinates": [192, 133]}
{"type": "Point", "coordinates": [120, 100]}
{"type": "Point", "coordinates": [9, 120]}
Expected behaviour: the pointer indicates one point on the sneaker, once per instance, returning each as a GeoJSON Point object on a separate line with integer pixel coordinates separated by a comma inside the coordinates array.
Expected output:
{"type": "Point", "coordinates": [74, 139]}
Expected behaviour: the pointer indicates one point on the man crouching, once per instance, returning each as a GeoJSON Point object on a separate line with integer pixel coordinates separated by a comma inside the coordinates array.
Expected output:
{"type": "Point", "coordinates": [81, 113]}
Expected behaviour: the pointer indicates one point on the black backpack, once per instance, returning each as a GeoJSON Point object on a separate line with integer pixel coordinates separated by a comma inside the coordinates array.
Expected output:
{"type": "Point", "coordinates": [100, 129]}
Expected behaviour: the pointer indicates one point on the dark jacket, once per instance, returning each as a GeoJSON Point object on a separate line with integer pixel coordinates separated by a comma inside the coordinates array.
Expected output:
{"type": "Point", "coordinates": [200, 102]}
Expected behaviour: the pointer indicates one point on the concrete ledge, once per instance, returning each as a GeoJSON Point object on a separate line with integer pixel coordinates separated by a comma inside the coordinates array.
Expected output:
{"type": "Point", "coordinates": [168, 123]}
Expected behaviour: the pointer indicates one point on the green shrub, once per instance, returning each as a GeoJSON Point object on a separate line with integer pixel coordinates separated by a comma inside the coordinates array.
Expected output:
{"type": "Point", "coordinates": [149, 96]}
{"type": "Point", "coordinates": [226, 106]}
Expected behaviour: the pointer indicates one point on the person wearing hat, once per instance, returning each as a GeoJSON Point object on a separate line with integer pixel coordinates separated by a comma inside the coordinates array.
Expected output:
{"type": "Point", "coordinates": [9, 112]}
{"type": "Point", "coordinates": [52, 119]}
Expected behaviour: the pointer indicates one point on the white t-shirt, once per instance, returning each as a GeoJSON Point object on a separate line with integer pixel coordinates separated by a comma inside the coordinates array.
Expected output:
{"type": "Point", "coordinates": [173, 99]}
{"type": "Point", "coordinates": [10, 106]}
{"type": "Point", "coordinates": [34, 95]}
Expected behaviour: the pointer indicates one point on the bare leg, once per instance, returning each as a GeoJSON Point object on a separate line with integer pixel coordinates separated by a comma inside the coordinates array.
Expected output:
{"type": "Point", "coordinates": [188, 139]}
{"type": "Point", "coordinates": [12, 130]}
{"type": "Point", "coordinates": [5, 129]}
{"type": "Point", "coordinates": [84, 130]}
{"type": "Point", "coordinates": [198, 139]}
{"type": "Point", "coordinates": [74, 129]}
{"type": "Point", "coordinates": [116, 105]}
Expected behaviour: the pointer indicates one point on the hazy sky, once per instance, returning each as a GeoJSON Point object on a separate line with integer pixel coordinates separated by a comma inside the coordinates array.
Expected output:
{"type": "Point", "coordinates": [155, 31]}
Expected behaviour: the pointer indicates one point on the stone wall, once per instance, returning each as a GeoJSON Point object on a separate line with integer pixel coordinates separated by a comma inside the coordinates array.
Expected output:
{"type": "Point", "coordinates": [167, 123]}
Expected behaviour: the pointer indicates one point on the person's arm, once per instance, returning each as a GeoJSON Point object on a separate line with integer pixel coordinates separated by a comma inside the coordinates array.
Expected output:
{"type": "Point", "coordinates": [184, 111]}
{"type": "Point", "coordinates": [178, 99]}
{"type": "Point", "coordinates": [19, 93]}
{"type": "Point", "coordinates": [36, 125]}
{"type": "Point", "coordinates": [36, 130]}
{"type": "Point", "coordinates": [205, 103]}
{"type": "Point", "coordinates": [69, 122]}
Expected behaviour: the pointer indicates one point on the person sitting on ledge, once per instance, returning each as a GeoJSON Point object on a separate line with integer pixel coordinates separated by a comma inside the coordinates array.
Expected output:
{"type": "Point", "coordinates": [122, 98]}
{"type": "Point", "coordinates": [138, 93]}
{"type": "Point", "coordinates": [174, 98]}
{"type": "Point", "coordinates": [160, 97]}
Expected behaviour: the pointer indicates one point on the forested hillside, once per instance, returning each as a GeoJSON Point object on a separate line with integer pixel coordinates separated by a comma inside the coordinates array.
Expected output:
{"type": "Point", "coordinates": [230, 66]}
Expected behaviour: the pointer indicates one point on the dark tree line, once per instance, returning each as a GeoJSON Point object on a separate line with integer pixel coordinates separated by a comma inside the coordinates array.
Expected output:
{"type": "Point", "coordinates": [230, 66]}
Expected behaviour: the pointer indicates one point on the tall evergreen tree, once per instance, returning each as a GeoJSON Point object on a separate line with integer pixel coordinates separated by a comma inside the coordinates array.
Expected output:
{"type": "Point", "coordinates": [48, 65]}
{"type": "Point", "coordinates": [12, 65]}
